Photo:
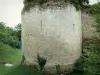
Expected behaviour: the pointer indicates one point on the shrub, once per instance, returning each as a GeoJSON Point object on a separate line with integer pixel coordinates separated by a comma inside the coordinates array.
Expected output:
{"type": "Point", "coordinates": [79, 64]}
{"type": "Point", "coordinates": [89, 61]}
{"type": "Point", "coordinates": [41, 61]}
{"type": "Point", "coordinates": [58, 69]}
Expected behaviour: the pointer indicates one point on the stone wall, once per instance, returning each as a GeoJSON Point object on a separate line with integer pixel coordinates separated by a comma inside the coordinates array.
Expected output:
{"type": "Point", "coordinates": [53, 33]}
{"type": "Point", "coordinates": [88, 22]}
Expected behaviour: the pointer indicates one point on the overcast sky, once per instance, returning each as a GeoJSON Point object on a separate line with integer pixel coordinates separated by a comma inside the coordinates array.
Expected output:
{"type": "Point", "coordinates": [10, 11]}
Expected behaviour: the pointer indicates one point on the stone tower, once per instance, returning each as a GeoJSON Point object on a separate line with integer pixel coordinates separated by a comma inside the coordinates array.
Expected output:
{"type": "Point", "coordinates": [53, 32]}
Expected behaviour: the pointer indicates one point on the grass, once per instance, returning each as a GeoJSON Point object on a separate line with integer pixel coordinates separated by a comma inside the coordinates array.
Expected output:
{"type": "Point", "coordinates": [81, 73]}
{"type": "Point", "coordinates": [18, 70]}
{"type": "Point", "coordinates": [25, 70]}
{"type": "Point", "coordinates": [9, 54]}
{"type": "Point", "coordinates": [4, 70]}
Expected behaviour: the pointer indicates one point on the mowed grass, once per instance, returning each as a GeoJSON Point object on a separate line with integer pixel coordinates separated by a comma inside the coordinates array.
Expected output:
{"type": "Point", "coordinates": [18, 70]}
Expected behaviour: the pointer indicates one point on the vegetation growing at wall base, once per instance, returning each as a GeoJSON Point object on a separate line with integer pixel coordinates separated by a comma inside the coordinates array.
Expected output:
{"type": "Point", "coordinates": [89, 61]}
{"type": "Point", "coordinates": [41, 61]}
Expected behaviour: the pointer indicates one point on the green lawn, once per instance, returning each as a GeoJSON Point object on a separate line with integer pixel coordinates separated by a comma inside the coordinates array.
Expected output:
{"type": "Point", "coordinates": [25, 70]}
{"type": "Point", "coordinates": [12, 55]}
{"type": "Point", "coordinates": [9, 54]}
{"type": "Point", "coordinates": [3, 70]}
{"type": "Point", "coordinates": [18, 70]}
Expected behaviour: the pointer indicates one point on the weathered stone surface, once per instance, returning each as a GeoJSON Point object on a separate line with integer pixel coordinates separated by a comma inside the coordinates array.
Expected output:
{"type": "Point", "coordinates": [55, 34]}
{"type": "Point", "coordinates": [88, 22]}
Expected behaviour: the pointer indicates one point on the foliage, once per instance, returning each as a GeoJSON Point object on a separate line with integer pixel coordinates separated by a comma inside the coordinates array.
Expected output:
{"type": "Point", "coordinates": [2, 26]}
{"type": "Point", "coordinates": [79, 64]}
{"type": "Point", "coordinates": [97, 23]}
{"type": "Point", "coordinates": [90, 59]}
{"type": "Point", "coordinates": [95, 11]}
{"type": "Point", "coordinates": [91, 47]}
{"type": "Point", "coordinates": [9, 44]}
{"type": "Point", "coordinates": [41, 61]}
{"type": "Point", "coordinates": [10, 40]}
{"type": "Point", "coordinates": [58, 68]}
{"type": "Point", "coordinates": [18, 31]}
{"type": "Point", "coordinates": [9, 36]}
{"type": "Point", "coordinates": [79, 4]}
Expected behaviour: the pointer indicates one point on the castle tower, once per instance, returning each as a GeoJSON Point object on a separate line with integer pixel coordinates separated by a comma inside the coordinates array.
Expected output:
{"type": "Point", "coordinates": [53, 31]}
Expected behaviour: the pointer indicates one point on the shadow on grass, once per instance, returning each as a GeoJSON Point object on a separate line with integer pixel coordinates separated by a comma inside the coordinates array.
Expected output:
{"type": "Point", "coordinates": [81, 73]}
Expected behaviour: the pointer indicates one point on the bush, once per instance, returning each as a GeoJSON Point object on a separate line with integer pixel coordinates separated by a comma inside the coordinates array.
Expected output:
{"type": "Point", "coordinates": [58, 69]}
{"type": "Point", "coordinates": [10, 36]}
{"type": "Point", "coordinates": [89, 61]}
{"type": "Point", "coordinates": [41, 61]}
{"type": "Point", "coordinates": [79, 64]}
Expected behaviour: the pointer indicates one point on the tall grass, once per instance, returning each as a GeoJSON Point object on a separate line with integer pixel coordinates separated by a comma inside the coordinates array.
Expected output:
{"type": "Point", "coordinates": [9, 54]}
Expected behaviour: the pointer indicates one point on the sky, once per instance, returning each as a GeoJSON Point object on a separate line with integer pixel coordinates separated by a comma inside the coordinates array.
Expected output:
{"type": "Point", "coordinates": [10, 11]}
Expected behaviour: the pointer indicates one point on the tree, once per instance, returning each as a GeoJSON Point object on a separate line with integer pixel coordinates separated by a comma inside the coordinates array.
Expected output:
{"type": "Point", "coordinates": [9, 36]}
{"type": "Point", "coordinates": [18, 31]}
